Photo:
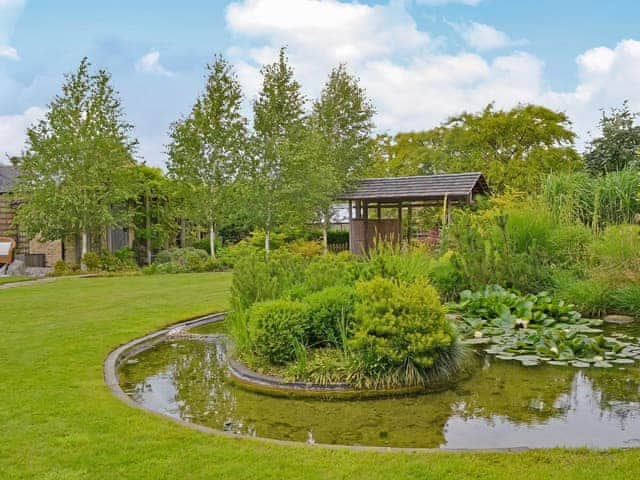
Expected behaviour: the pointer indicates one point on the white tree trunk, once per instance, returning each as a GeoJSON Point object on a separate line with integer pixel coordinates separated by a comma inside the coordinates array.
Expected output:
{"type": "Point", "coordinates": [267, 244]}
{"type": "Point", "coordinates": [212, 240]}
{"type": "Point", "coordinates": [83, 252]}
{"type": "Point", "coordinates": [325, 239]}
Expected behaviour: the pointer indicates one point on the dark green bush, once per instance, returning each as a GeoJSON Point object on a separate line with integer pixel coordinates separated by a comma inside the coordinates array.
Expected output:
{"type": "Point", "coordinates": [184, 260]}
{"type": "Point", "coordinates": [275, 328]}
{"type": "Point", "coordinates": [337, 237]}
{"type": "Point", "coordinates": [400, 327]}
{"type": "Point", "coordinates": [330, 313]}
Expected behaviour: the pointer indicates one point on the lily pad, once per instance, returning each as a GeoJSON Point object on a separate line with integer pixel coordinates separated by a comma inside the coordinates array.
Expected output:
{"type": "Point", "coordinates": [558, 363]}
{"type": "Point", "coordinates": [602, 364]}
{"type": "Point", "coordinates": [579, 364]}
{"type": "Point", "coordinates": [622, 361]}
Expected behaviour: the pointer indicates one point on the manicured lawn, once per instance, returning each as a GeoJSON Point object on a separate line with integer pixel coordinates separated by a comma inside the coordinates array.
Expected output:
{"type": "Point", "coordinates": [59, 421]}
{"type": "Point", "coordinates": [5, 280]}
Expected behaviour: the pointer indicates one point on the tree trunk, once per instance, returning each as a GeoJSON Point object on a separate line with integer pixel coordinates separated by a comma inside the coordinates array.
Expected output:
{"type": "Point", "coordinates": [148, 227]}
{"type": "Point", "coordinates": [325, 236]}
{"type": "Point", "coordinates": [267, 244]}
{"type": "Point", "coordinates": [83, 251]}
{"type": "Point", "coordinates": [212, 239]}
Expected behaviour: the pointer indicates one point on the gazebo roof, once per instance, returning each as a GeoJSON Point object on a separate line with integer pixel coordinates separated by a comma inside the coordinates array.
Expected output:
{"type": "Point", "coordinates": [454, 186]}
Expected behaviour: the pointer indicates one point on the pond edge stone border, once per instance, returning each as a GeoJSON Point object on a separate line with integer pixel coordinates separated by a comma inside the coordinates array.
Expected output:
{"type": "Point", "coordinates": [117, 356]}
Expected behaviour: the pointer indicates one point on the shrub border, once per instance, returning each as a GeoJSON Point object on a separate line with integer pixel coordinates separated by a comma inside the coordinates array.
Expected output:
{"type": "Point", "coordinates": [117, 356]}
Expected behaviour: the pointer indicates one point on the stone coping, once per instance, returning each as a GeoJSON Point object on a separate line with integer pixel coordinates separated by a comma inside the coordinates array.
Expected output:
{"type": "Point", "coordinates": [121, 353]}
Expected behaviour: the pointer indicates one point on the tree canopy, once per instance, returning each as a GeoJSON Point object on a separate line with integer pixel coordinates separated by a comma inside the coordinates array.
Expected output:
{"type": "Point", "coordinates": [208, 145]}
{"type": "Point", "coordinates": [619, 143]}
{"type": "Point", "coordinates": [512, 148]}
{"type": "Point", "coordinates": [275, 179]}
{"type": "Point", "coordinates": [339, 140]}
{"type": "Point", "coordinates": [76, 170]}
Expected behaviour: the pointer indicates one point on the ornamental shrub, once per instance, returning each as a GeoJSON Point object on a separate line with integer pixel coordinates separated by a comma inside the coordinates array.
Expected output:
{"type": "Point", "coordinates": [399, 324]}
{"type": "Point", "coordinates": [275, 327]}
{"type": "Point", "coordinates": [330, 312]}
{"type": "Point", "coordinates": [92, 261]}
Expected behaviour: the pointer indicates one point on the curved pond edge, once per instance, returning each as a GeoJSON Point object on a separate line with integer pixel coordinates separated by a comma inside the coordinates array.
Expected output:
{"type": "Point", "coordinates": [136, 346]}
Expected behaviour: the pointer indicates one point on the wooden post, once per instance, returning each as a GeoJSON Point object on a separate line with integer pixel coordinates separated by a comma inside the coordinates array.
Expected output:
{"type": "Point", "coordinates": [350, 227]}
{"type": "Point", "coordinates": [409, 224]}
{"type": "Point", "coordinates": [366, 226]}
{"type": "Point", "coordinates": [379, 212]}
{"type": "Point", "coordinates": [400, 223]}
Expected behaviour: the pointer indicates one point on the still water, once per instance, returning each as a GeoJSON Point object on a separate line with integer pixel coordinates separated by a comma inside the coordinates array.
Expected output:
{"type": "Point", "coordinates": [502, 404]}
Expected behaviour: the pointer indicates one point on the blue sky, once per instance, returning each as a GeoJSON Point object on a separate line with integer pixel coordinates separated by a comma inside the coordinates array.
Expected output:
{"type": "Point", "coordinates": [420, 60]}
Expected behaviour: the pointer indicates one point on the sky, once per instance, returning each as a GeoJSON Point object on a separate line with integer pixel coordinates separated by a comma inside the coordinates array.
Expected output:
{"type": "Point", "coordinates": [420, 61]}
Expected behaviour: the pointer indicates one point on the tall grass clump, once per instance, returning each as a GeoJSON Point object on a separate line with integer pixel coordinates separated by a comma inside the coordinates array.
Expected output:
{"type": "Point", "coordinates": [594, 201]}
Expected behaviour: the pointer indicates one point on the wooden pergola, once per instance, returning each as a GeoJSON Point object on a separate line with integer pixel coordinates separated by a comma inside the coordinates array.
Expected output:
{"type": "Point", "coordinates": [403, 194]}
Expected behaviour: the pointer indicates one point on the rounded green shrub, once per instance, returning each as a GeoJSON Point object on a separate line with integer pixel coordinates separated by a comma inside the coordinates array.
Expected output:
{"type": "Point", "coordinates": [275, 327]}
{"type": "Point", "coordinates": [399, 324]}
{"type": "Point", "coordinates": [92, 261]}
{"type": "Point", "coordinates": [330, 312]}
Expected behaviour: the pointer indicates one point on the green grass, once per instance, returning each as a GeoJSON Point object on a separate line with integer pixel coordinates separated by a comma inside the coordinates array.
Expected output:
{"type": "Point", "coordinates": [59, 421]}
{"type": "Point", "coordinates": [5, 280]}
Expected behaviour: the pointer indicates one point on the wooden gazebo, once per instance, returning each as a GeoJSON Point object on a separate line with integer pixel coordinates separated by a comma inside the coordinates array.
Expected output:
{"type": "Point", "coordinates": [403, 194]}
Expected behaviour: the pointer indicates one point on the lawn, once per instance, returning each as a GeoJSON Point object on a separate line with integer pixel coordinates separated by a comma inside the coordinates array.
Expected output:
{"type": "Point", "coordinates": [5, 280]}
{"type": "Point", "coordinates": [59, 421]}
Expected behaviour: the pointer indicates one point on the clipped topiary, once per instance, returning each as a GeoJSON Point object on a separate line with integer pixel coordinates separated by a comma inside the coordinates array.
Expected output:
{"type": "Point", "coordinates": [401, 329]}
{"type": "Point", "coordinates": [275, 327]}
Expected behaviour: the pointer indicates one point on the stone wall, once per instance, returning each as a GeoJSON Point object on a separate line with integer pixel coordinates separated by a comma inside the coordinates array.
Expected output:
{"type": "Point", "coordinates": [51, 250]}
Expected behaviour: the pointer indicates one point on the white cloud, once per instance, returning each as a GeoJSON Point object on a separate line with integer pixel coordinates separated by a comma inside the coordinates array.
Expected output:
{"type": "Point", "coordinates": [484, 37]}
{"type": "Point", "coordinates": [607, 77]}
{"type": "Point", "coordinates": [13, 130]}
{"type": "Point", "coordinates": [150, 63]}
{"type": "Point", "coordinates": [412, 83]}
{"type": "Point", "coordinates": [9, 12]}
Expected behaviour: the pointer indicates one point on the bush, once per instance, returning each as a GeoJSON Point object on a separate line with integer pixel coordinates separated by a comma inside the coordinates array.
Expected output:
{"type": "Point", "coordinates": [275, 327]}
{"type": "Point", "coordinates": [590, 297]}
{"type": "Point", "coordinates": [330, 312]}
{"type": "Point", "coordinates": [184, 260]}
{"type": "Point", "coordinates": [61, 268]}
{"type": "Point", "coordinates": [306, 248]}
{"type": "Point", "coordinates": [616, 256]}
{"type": "Point", "coordinates": [255, 279]}
{"type": "Point", "coordinates": [91, 260]}
{"type": "Point", "coordinates": [388, 261]}
{"type": "Point", "coordinates": [626, 300]}
{"type": "Point", "coordinates": [399, 325]}
{"type": "Point", "coordinates": [337, 237]}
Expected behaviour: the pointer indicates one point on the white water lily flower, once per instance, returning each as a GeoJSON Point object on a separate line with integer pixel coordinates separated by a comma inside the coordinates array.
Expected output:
{"type": "Point", "coordinates": [477, 334]}
{"type": "Point", "coordinates": [598, 358]}
{"type": "Point", "coordinates": [554, 350]}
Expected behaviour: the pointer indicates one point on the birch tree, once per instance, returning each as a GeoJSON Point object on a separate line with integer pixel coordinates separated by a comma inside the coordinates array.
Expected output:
{"type": "Point", "coordinates": [339, 139]}
{"type": "Point", "coordinates": [276, 179]}
{"type": "Point", "coordinates": [76, 169]}
{"type": "Point", "coordinates": [206, 147]}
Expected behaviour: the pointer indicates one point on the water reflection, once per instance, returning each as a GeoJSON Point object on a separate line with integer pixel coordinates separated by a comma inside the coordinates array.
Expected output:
{"type": "Point", "coordinates": [501, 405]}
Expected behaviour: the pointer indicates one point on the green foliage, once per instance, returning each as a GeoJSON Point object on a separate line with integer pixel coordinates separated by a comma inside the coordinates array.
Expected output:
{"type": "Point", "coordinates": [330, 313]}
{"type": "Point", "coordinates": [76, 171]}
{"type": "Point", "coordinates": [274, 179]}
{"type": "Point", "coordinates": [626, 300]}
{"type": "Point", "coordinates": [255, 279]}
{"type": "Point", "coordinates": [207, 148]}
{"type": "Point", "coordinates": [92, 261]}
{"type": "Point", "coordinates": [389, 261]}
{"type": "Point", "coordinates": [518, 245]}
{"type": "Point", "coordinates": [183, 260]}
{"type": "Point", "coordinates": [591, 297]}
{"type": "Point", "coordinates": [398, 324]}
{"type": "Point", "coordinates": [617, 147]}
{"type": "Point", "coordinates": [616, 256]}
{"type": "Point", "coordinates": [275, 326]}
{"type": "Point", "coordinates": [337, 237]}
{"type": "Point", "coordinates": [512, 148]}
{"type": "Point", "coordinates": [594, 201]}
{"type": "Point", "coordinates": [534, 329]}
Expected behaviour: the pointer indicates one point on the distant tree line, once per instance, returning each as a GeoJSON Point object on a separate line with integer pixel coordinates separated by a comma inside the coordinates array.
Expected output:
{"type": "Point", "coordinates": [285, 166]}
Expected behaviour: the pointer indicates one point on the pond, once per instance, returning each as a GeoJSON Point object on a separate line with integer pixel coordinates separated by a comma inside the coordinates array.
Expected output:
{"type": "Point", "coordinates": [502, 405]}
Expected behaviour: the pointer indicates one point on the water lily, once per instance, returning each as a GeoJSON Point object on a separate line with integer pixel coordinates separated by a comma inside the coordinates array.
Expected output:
{"type": "Point", "coordinates": [477, 334]}
{"type": "Point", "coordinates": [554, 350]}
